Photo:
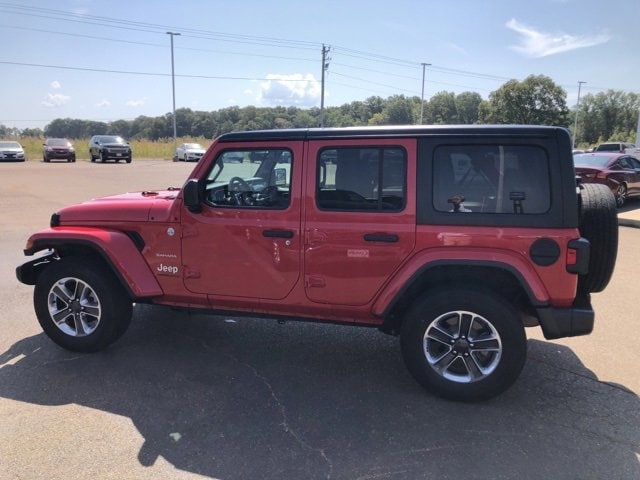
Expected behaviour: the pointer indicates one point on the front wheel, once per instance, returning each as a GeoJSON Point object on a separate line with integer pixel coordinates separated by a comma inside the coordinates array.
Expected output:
{"type": "Point", "coordinates": [463, 344]}
{"type": "Point", "coordinates": [80, 305]}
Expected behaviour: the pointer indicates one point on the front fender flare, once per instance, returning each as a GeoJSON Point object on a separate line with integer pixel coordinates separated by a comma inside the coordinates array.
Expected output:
{"type": "Point", "coordinates": [115, 248]}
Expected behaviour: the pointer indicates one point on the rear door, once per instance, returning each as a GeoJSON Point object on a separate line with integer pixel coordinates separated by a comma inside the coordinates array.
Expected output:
{"type": "Point", "coordinates": [359, 216]}
{"type": "Point", "coordinates": [634, 175]}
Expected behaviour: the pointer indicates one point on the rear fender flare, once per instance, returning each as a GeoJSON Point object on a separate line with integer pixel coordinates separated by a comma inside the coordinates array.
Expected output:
{"type": "Point", "coordinates": [427, 260]}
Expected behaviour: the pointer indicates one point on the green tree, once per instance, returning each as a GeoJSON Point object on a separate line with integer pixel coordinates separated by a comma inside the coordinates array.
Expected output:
{"type": "Point", "coordinates": [467, 107]}
{"type": "Point", "coordinates": [610, 115]}
{"type": "Point", "coordinates": [441, 109]}
{"type": "Point", "coordinates": [397, 111]}
{"type": "Point", "coordinates": [537, 100]}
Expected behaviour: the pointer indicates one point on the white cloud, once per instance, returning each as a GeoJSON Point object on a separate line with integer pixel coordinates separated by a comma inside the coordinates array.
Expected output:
{"type": "Point", "coordinates": [536, 44]}
{"type": "Point", "coordinates": [134, 103]}
{"type": "Point", "coordinates": [103, 103]}
{"type": "Point", "coordinates": [291, 90]}
{"type": "Point", "coordinates": [55, 100]}
{"type": "Point", "coordinates": [55, 85]}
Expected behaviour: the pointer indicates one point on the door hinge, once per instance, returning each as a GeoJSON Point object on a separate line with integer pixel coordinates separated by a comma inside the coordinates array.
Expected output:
{"type": "Point", "coordinates": [188, 272]}
{"type": "Point", "coordinates": [189, 231]}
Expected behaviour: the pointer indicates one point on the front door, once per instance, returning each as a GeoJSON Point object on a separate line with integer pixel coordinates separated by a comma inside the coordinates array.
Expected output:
{"type": "Point", "coordinates": [359, 217]}
{"type": "Point", "coordinates": [246, 240]}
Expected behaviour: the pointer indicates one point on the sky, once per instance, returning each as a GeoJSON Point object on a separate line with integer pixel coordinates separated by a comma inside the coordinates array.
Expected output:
{"type": "Point", "coordinates": [108, 60]}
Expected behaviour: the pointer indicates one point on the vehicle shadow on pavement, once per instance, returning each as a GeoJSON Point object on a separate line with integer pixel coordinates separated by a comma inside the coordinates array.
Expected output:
{"type": "Point", "coordinates": [239, 398]}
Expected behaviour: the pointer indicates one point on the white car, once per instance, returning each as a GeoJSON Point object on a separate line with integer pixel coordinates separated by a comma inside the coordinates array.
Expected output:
{"type": "Point", "coordinates": [11, 151]}
{"type": "Point", "coordinates": [189, 152]}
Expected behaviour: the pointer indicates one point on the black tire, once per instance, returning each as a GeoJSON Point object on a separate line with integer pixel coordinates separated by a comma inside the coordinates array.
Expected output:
{"type": "Point", "coordinates": [472, 367]}
{"type": "Point", "coordinates": [104, 157]}
{"type": "Point", "coordinates": [93, 159]}
{"type": "Point", "coordinates": [128, 159]}
{"type": "Point", "coordinates": [599, 225]}
{"type": "Point", "coordinates": [91, 309]}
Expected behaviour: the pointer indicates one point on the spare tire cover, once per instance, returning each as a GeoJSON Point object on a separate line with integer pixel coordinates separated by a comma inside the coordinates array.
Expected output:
{"type": "Point", "coordinates": [599, 225]}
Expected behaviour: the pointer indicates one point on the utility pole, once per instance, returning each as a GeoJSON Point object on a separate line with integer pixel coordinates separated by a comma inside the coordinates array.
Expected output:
{"type": "Point", "coordinates": [422, 96]}
{"type": "Point", "coordinates": [325, 66]}
{"type": "Point", "coordinates": [575, 125]}
{"type": "Point", "coordinates": [173, 85]}
{"type": "Point", "coordinates": [638, 130]}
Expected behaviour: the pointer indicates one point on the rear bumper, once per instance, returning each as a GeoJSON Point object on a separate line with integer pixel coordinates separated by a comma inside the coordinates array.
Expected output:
{"type": "Point", "coordinates": [567, 322]}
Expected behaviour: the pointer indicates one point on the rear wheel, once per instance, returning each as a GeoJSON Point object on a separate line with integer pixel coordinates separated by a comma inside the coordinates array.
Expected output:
{"type": "Point", "coordinates": [80, 305]}
{"type": "Point", "coordinates": [463, 344]}
{"type": "Point", "coordinates": [599, 225]}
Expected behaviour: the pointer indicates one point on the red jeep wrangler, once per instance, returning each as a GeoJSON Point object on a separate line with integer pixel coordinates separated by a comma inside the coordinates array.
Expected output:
{"type": "Point", "coordinates": [455, 238]}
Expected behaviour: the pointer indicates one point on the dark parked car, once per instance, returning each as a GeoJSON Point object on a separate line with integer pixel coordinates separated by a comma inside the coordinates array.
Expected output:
{"type": "Point", "coordinates": [105, 147]}
{"type": "Point", "coordinates": [619, 171]}
{"type": "Point", "coordinates": [58, 149]}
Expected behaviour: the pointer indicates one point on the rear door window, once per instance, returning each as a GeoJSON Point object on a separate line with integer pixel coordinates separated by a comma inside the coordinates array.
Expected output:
{"type": "Point", "coordinates": [361, 179]}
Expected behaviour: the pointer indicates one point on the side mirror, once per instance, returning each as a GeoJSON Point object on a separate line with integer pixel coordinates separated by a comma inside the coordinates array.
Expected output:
{"type": "Point", "coordinates": [191, 195]}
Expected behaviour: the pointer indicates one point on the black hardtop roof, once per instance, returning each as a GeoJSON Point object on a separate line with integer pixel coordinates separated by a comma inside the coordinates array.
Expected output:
{"type": "Point", "coordinates": [388, 131]}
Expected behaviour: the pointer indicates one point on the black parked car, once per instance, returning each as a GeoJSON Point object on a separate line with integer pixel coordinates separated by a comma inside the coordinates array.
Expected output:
{"type": "Point", "coordinates": [106, 147]}
{"type": "Point", "coordinates": [58, 149]}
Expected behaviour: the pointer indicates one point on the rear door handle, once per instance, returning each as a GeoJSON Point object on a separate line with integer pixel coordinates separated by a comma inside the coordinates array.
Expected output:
{"type": "Point", "coordinates": [381, 237]}
{"type": "Point", "coordinates": [277, 233]}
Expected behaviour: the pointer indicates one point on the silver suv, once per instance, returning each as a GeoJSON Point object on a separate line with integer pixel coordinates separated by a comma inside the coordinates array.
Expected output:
{"type": "Point", "coordinates": [106, 147]}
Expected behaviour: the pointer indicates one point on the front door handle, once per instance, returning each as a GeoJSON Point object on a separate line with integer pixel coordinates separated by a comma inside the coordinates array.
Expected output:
{"type": "Point", "coordinates": [381, 237]}
{"type": "Point", "coordinates": [277, 233]}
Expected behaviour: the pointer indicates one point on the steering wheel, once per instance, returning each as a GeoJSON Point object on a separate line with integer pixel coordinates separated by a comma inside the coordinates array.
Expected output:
{"type": "Point", "coordinates": [240, 190]}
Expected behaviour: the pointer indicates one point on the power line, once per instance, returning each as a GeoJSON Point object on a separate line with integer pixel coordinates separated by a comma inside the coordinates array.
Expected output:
{"type": "Point", "coordinates": [149, 74]}
{"type": "Point", "coordinates": [158, 45]}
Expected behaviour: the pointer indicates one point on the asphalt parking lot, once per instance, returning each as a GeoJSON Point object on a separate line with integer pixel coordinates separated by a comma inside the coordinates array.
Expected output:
{"type": "Point", "coordinates": [185, 396]}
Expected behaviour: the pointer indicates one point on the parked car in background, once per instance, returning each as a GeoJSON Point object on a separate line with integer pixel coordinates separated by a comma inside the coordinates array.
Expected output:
{"type": "Point", "coordinates": [619, 147]}
{"type": "Point", "coordinates": [189, 152]}
{"type": "Point", "coordinates": [109, 147]}
{"type": "Point", "coordinates": [11, 151]}
{"type": "Point", "coordinates": [619, 171]}
{"type": "Point", "coordinates": [58, 149]}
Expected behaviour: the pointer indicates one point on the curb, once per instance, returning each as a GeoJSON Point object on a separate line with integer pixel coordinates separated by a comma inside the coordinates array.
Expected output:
{"type": "Point", "coordinates": [628, 222]}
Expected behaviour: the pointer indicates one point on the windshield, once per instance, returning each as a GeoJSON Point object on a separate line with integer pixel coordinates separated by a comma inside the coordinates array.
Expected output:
{"type": "Point", "coordinates": [10, 145]}
{"type": "Point", "coordinates": [111, 139]}
{"type": "Point", "coordinates": [591, 160]}
{"type": "Point", "coordinates": [58, 142]}
{"type": "Point", "coordinates": [193, 146]}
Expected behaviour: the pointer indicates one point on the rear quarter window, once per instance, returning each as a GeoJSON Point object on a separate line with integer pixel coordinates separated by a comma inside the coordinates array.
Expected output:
{"type": "Point", "coordinates": [491, 179]}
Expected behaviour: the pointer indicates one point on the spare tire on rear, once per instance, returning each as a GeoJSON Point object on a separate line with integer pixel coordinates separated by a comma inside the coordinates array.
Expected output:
{"type": "Point", "coordinates": [598, 224]}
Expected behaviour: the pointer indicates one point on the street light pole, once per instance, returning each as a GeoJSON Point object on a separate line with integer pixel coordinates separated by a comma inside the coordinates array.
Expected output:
{"type": "Point", "coordinates": [173, 85]}
{"type": "Point", "coordinates": [422, 96]}
{"type": "Point", "coordinates": [575, 125]}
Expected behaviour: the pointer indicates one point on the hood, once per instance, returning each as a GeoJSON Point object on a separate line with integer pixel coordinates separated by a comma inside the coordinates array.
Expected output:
{"type": "Point", "coordinates": [148, 206]}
